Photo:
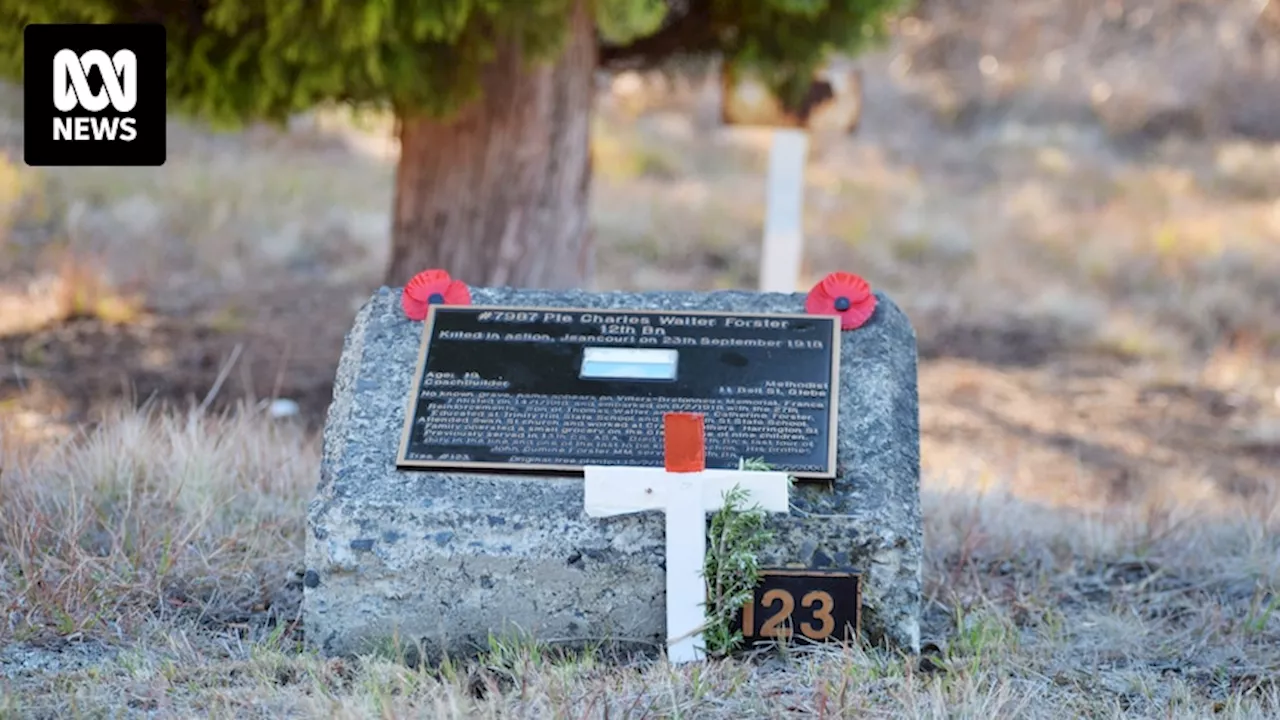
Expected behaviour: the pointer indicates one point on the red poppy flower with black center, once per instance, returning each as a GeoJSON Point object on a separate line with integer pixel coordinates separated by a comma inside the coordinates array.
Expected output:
{"type": "Point", "coordinates": [843, 294]}
{"type": "Point", "coordinates": [432, 287]}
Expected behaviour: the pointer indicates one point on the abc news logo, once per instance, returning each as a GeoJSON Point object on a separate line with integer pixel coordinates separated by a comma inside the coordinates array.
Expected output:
{"type": "Point", "coordinates": [71, 90]}
{"type": "Point", "coordinates": [100, 91]}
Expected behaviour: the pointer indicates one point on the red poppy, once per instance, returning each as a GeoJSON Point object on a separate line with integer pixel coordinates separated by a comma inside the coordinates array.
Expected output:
{"type": "Point", "coordinates": [432, 287]}
{"type": "Point", "coordinates": [843, 294]}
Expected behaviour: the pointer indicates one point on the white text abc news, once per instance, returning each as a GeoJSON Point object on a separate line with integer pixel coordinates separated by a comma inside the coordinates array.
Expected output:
{"type": "Point", "coordinates": [71, 89]}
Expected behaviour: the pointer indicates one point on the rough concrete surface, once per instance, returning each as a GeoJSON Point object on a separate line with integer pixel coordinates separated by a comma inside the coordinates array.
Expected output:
{"type": "Point", "coordinates": [445, 558]}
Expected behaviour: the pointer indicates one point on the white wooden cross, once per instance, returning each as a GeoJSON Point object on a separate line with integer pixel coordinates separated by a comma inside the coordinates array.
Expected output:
{"type": "Point", "coordinates": [685, 491]}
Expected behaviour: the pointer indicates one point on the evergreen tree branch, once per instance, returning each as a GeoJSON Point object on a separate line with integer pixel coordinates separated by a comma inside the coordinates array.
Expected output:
{"type": "Point", "coordinates": [692, 32]}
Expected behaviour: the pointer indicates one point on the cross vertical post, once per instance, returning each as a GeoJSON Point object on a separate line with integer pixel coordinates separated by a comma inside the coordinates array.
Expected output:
{"type": "Point", "coordinates": [685, 491]}
{"type": "Point", "coordinates": [685, 455]}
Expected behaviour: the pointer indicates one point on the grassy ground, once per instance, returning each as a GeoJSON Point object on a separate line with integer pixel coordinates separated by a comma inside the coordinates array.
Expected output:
{"type": "Point", "coordinates": [152, 567]}
{"type": "Point", "coordinates": [1092, 264]}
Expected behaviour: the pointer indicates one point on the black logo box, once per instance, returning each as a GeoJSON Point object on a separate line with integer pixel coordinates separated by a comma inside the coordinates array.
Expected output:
{"type": "Point", "coordinates": [41, 43]}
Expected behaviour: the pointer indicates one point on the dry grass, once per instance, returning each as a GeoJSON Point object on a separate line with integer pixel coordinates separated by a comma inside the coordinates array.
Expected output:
{"type": "Point", "coordinates": [146, 515]}
{"type": "Point", "coordinates": [74, 289]}
{"type": "Point", "coordinates": [165, 548]}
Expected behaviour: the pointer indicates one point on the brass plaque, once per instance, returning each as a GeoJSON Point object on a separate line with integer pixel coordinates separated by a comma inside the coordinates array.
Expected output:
{"type": "Point", "coordinates": [816, 605]}
{"type": "Point", "coordinates": [552, 389]}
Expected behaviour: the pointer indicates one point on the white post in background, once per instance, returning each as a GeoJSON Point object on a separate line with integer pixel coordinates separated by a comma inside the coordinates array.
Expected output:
{"type": "Point", "coordinates": [784, 212]}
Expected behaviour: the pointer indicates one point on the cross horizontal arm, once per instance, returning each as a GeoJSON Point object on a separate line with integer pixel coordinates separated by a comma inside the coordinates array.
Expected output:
{"type": "Point", "coordinates": [613, 490]}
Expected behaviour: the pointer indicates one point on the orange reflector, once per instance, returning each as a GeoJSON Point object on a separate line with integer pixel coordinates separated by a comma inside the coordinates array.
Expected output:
{"type": "Point", "coordinates": [684, 444]}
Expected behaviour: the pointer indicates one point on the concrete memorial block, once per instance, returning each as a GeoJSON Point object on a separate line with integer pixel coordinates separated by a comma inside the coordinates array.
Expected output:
{"type": "Point", "coordinates": [442, 545]}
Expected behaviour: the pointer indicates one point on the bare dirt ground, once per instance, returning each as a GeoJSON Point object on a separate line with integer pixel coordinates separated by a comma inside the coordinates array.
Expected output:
{"type": "Point", "coordinates": [1078, 204]}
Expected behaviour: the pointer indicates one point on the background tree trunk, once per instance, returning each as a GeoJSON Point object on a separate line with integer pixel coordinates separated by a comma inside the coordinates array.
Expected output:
{"type": "Point", "coordinates": [498, 194]}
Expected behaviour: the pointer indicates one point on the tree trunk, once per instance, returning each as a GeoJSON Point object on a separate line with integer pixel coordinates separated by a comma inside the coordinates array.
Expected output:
{"type": "Point", "coordinates": [498, 194]}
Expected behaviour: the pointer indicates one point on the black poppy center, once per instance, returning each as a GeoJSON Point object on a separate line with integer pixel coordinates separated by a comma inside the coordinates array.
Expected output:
{"type": "Point", "coordinates": [435, 298]}
{"type": "Point", "coordinates": [842, 304]}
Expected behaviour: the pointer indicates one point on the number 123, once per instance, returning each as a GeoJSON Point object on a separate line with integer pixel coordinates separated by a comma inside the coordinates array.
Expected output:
{"type": "Point", "coordinates": [819, 603]}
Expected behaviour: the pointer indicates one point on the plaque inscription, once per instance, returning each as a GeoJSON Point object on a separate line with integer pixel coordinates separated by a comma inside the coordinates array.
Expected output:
{"type": "Point", "coordinates": [557, 389]}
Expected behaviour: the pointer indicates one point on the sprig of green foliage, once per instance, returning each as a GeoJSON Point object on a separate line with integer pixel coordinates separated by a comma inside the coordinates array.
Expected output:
{"type": "Point", "coordinates": [732, 568]}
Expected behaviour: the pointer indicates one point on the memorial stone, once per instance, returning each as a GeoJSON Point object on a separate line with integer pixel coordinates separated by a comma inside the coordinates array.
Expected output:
{"type": "Point", "coordinates": [446, 556]}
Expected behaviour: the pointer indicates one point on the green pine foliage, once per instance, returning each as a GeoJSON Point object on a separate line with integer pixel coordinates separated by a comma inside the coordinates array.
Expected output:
{"type": "Point", "coordinates": [784, 41]}
{"type": "Point", "coordinates": [731, 569]}
{"type": "Point", "coordinates": [232, 60]}
{"type": "Point", "coordinates": [622, 21]}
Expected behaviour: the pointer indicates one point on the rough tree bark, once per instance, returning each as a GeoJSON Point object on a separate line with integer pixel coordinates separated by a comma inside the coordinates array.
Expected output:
{"type": "Point", "coordinates": [498, 194]}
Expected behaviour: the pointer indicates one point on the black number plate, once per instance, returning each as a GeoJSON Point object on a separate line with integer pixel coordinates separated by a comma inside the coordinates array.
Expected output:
{"type": "Point", "coordinates": [816, 605]}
